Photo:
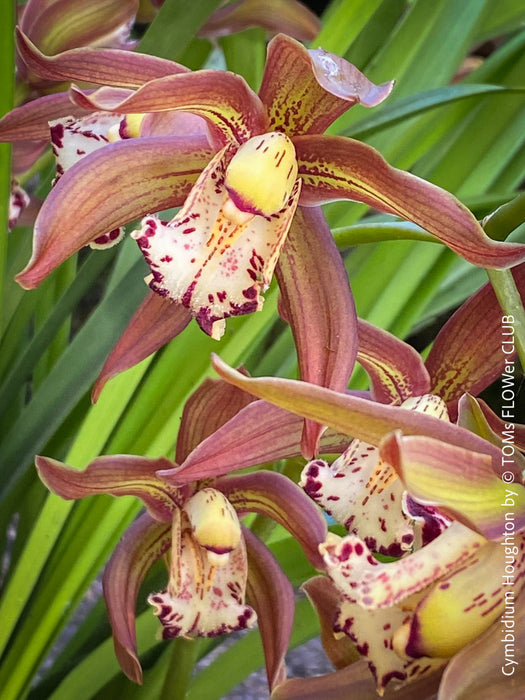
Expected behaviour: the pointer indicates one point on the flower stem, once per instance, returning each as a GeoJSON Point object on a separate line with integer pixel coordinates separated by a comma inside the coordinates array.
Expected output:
{"type": "Point", "coordinates": [183, 656]}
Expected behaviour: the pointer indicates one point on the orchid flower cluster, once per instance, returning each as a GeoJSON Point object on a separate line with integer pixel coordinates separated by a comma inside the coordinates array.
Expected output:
{"type": "Point", "coordinates": [408, 583]}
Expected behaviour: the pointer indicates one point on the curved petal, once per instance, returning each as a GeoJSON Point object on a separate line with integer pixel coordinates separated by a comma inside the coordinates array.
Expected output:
{"type": "Point", "coordinates": [31, 121]}
{"type": "Point", "coordinates": [333, 167]}
{"type": "Point", "coordinates": [513, 433]}
{"type": "Point", "coordinates": [117, 475]}
{"type": "Point", "coordinates": [214, 262]}
{"type": "Point", "coordinates": [464, 604]}
{"type": "Point", "coordinates": [482, 670]}
{"type": "Point", "coordinates": [99, 66]}
{"type": "Point", "coordinates": [75, 212]}
{"type": "Point", "coordinates": [367, 420]}
{"type": "Point", "coordinates": [142, 545]}
{"type": "Point", "coordinates": [318, 305]}
{"type": "Point", "coordinates": [65, 24]}
{"type": "Point", "coordinates": [212, 405]}
{"type": "Point", "coordinates": [155, 323]}
{"type": "Point", "coordinates": [304, 92]}
{"type": "Point", "coordinates": [259, 433]}
{"type": "Point", "coordinates": [224, 99]}
{"type": "Point", "coordinates": [288, 16]}
{"type": "Point", "coordinates": [362, 579]}
{"type": "Point", "coordinates": [277, 497]}
{"type": "Point", "coordinates": [459, 481]}
{"type": "Point", "coordinates": [271, 594]}
{"type": "Point", "coordinates": [468, 353]}
{"type": "Point", "coordinates": [396, 370]}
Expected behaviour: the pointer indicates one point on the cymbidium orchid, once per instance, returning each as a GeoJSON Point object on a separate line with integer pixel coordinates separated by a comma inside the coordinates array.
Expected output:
{"type": "Point", "coordinates": [215, 564]}
{"type": "Point", "coordinates": [429, 492]}
{"type": "Point", "coordinates": [218, 254]}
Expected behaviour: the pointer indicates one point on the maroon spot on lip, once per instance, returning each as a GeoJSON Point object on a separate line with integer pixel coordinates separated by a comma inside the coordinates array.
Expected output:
{"type": "Point", "coordinates": [249, 293]}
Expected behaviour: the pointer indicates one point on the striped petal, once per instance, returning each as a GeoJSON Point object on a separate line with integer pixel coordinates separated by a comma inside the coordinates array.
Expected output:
{"type": "Point", "coordinates": [324, 323]}
{"type": "Point", "coordinates": [468, 353]}
{"type": "Point", "coordinates": [75, 212]}
{"type": "Point", "coordinates": [142, 545]}
{"type": "Point", "coordinates": [100, 66]}
{"type": "Point", "coordinates": [214, 258]}
{"type": "Point", "coordinates": [305, 91]}
{"type": "Point", "coordinates": [460, 481]}
{"type": "Point", "coordinates": [334, 167]}
{"type": "Point", "coordinates": [117, 475]}
{"type": "Point", "coordinates": [396, 370]}
{"type": "Point", "coordinates": [225, 100]}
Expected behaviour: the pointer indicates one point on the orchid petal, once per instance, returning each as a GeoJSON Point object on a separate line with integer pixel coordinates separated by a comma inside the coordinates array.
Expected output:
{"type": "Point", "coordinates": [31, 121]}
{"type": "Point", "coordinates": [154, 324]}
{"type": "Point", "coordinates": [372, 631]}
{"type": "Point", "coordinates": [481, 670]}
{"type": "Point", "coordinates": [207, 259]}
{"type": "Point", "coordinates": [204, 597]}
{"type": "Point", "coordinates": [324, 325]}
{"type": "Point", "coordinates": [141, 546]}
{"type": "Point", "coordinates": [277, 497]}
{"type": "Point", "coordinates": [288, 16]}
{"type": "Point", "coordinates": [352, 682]}
{"type": "Point", "coordinates": [364, 495]}
{"type": "Point", "coordinates": [65, 24]}
{"type": "Point", "coordinates": [25, 154]}
{"type": "Point", "coordinates": [513, 433]}
{"type": "Point", "coordinates": [473, 415]}
{"type": "Point", "coordinates": [304, 92]}
{"type": "Point", "coordinates": [224, 99]}
{"type": "Point", "coordinates": [396, 370]}
{"type": "Point", "coordinates": [467, 354]}
{"type": "Point", "coordinates": [271, 595]}
{"type": "Point", "coordinates": [117, 475]}
{"type": "Point", "coordinates": [212, 405]}
{"type": "Point", "coordinates": [464, 604]}
{"type": "Point", "coordinates": [334, 167]}
{"type": "Point", "coordinates": [458, 480]}
{"type": "Point", "coordinates": [326, 599]}
{"type": "Point", "coordinates": [362, 579]}
{"type": "Point", "coordinates": [76, 213]}
{"type": "Point", "coordinates": [99, 66]}
{"type": "Point", "coordinates": [367, 420]}
{"type": "Point", "coordinates": [259, 433]}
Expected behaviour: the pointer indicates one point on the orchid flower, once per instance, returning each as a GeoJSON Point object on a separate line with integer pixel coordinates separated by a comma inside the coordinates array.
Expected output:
{"type": "Point", "coordinates": [217, 255]}
{"type": "Point", "coordinates": [215, 564]}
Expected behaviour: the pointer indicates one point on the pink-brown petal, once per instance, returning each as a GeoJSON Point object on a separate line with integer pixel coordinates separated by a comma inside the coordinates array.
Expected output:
{"type": "Point", "coordinates": [271, 595]}
{"type": "Point", "coordinates": [224, 99]}
{"type": "Point", "coordinates": [259, 433]}
{"type": "Point", "coordinates": [396, 370]}
{"type": "Point", "coordinates": [214, 265]}
{"type": "Point", "coordinates": [458, 480]}
{"type": "Point", "coordinates": [468, 353]}
{"type": "Point", "coordinates": [324, 323]}
{"type": "Point", "coordinates": [155, 323]}
{"type": "Point", "coordinates": [75, 212]}
{"type": "Point", "coordinates": [367, 420]}
{"type": "Point", "coordinates": [212, 405]}
{"type": "Point", "coordinates": [117, 475]}
{"type": "Point", "coordinates": [334, 167]}
{"type": "Point", "coordinates": [31, 121]}
{"type": "Point", "coordinates": [304, 92]}
{"type": "Point", "coordinates": [280, 499]}
{"type": "Point", "coordinates": [288, 16]}
{"type": "Point", "coordinates": [142, 545]}
{"type": "Point", "coordinates": [98, 66]}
